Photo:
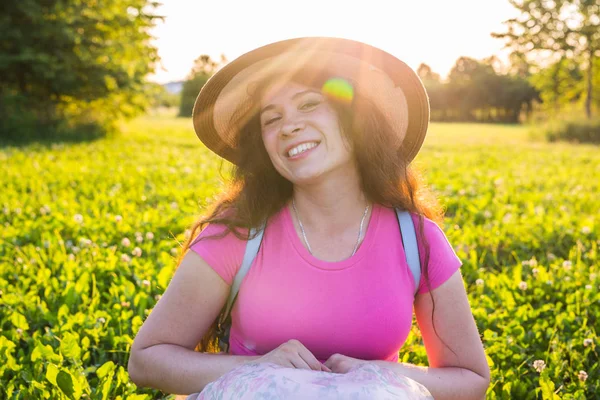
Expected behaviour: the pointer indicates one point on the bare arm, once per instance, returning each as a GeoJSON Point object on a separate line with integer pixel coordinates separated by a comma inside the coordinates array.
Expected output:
{"type": "Point", "coordinates": [162, 354]}
{"type": "Point", "coordinates": [465, 375]}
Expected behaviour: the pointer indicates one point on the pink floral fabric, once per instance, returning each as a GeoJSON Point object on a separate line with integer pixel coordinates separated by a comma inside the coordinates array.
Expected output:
{"type": "Point", "coordinates": [255, 381]}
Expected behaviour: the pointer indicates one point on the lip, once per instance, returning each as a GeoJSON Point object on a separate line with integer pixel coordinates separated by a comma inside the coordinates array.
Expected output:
{"type": "Point", "coordinates": [287, 150]}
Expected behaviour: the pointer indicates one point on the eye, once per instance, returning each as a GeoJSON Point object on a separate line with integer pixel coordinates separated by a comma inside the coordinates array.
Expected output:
{"type": "Point", "coordinates": [309, 105]}
{"type": "Point", "coordinates": [270, 121]}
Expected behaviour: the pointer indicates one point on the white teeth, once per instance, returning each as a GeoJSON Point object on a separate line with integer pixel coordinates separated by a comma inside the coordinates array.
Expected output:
{"type": "Point", "coordinates": [301, 148]}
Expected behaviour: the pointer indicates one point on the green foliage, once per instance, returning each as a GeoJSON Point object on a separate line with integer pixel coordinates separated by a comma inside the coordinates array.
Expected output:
{"type": "Point", "coordinates": [189, 92]}
{"type": "Point", "coordinates": [574, 130]}
{"type": "Point", "coordinates": [74, 293]}
{"type": "Point", "coordinates": [557, 30]}
{"type": "Point", "coordinates": [477, 91]}
{"type": "Point", "coordinates": [74, 63]}
{"type": "Point", "coordinates": [202, 70]}
{"type": "Point", "coordinates": [160, 96]}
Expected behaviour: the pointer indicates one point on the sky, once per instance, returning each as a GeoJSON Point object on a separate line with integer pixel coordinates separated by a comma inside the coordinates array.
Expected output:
{"type": "Point", "coordinates": [435, 32]}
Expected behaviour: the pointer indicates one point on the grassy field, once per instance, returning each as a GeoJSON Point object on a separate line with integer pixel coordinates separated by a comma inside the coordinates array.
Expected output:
{"type": "Point", "coordinates": [90, 232]}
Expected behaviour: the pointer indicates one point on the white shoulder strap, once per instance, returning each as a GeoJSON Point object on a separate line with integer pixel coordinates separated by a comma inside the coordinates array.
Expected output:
{"type": "Point", "coordinates": [409, 239]}
{"type": "Point", "coordinates": [252, 247]}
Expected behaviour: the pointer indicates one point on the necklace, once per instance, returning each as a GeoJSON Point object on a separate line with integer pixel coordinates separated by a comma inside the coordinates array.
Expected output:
{"type": "Point", "coordinates": [304, 233]}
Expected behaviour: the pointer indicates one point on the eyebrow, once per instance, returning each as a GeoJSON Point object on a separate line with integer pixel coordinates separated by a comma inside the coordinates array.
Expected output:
{"type": "Point", "coordinates": [294, 97]}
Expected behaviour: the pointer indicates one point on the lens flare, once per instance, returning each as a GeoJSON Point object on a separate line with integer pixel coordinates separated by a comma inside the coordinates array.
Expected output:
{"type": "Point", "coordinates": [339, 89]}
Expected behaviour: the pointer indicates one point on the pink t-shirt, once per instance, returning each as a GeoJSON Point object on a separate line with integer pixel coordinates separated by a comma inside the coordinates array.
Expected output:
{"type": "Point", "coordinates": [360, 307]}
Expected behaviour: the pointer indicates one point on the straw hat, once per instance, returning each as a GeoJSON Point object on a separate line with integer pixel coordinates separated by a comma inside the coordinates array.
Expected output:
{"type": "Point", "coordinates": [388, 82]}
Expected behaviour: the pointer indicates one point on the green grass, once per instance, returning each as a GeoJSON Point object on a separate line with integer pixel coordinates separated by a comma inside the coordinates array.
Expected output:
{"type": "Point", "coordinates": [73, 295]}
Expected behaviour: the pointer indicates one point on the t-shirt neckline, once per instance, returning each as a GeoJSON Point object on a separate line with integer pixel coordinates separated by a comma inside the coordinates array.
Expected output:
{"type": "Point", "coordinates": [332, 265]}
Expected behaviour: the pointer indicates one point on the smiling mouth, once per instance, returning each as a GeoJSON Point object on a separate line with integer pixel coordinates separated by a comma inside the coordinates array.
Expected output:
{"type": "Point", "coordinates": [302, 148]}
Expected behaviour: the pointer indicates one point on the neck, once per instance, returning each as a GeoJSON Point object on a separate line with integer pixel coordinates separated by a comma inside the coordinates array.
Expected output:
{"type": "Point", "coordinates": [331, 206]}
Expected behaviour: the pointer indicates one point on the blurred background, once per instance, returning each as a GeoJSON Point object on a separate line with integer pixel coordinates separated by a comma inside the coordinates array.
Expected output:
{"type": "Point", "coordinates": [80, 67]}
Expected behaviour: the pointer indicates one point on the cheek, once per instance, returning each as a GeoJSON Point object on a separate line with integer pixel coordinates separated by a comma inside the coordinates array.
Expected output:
{"type": "Point", "coordinates": [269, 141]}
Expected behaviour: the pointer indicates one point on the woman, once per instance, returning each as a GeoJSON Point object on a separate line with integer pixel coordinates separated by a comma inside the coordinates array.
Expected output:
{"type": "Point", "coordinates": [321, 132]}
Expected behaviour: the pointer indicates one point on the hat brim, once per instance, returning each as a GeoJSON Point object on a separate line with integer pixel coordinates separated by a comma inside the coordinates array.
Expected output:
{"type": "Point", "coordinates": [221, 94]}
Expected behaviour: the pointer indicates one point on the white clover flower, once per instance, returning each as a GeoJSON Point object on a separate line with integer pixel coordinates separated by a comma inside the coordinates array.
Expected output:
{"type": "Point", "coordinates": [75, 249]}
{"type": "Point", "coordinates": [157, 297]}
{"type": "Point", "coordinates": [462, 192]}
{"type": "Point", "coordinates": [551, 257]}
{"type": "Point", "coordinates": [101, 320]}
{"type": "Point", "coordinates": [18, 210]}
{"type": "Point", "coordinates": [118, 218]}
{"type": "Point", "coordinates": [567, 265]}
{"type": "Point", "coordinates": [125, 258]}
{"type": "Point", "coordinates": [487, 214]}
{"type": "Point", "coordinates": [19, 331]}
{"type": "Point", "coordinates": [534, 272]}
{"type": "Point", "coordinates": [582, 376]}
{"type": "Point", "coordinates": [187, 170]}
{"type": "Point", "coordinates": [593, 276]}
{"type": "Point", "coordinates": [567, 278]}
{"type": "Point", "coordinates": [479, 282]}
{"type": "Point", "coordinates": [538, 210]}
{"type": "Point", "coordinates": [149, 235]}
{"type": "Point", "coordinates": [19, 260]}
{"type": "Point", "coordinates": [143, 198]}
{"type": "Point", "coordinates": [125, 242]}
{"type": "Point", "coordinates": [174, 205]}
{"type": "Point", "coordinates": [187, 233]}
{"type": "Point", "coordinates": [586, 230]}
{"type": "Point", "coordinates": [139, 239]}
{"type": "Point", "coordinates": [69, 244]}
{"type": "Point", "coordinates": [588, 287]}
{"type": "Point", "coordinates": [533, 262]}
{"type": "Point", "coordinates": [137, 252]}
{"type": "Point", "coordinates": [587, 342]}
{"type": "Point", "coordinates": [85, 242]}
{"type": "Point", "coordinates": [78, 218]}
{"type": "Point", "coordinates": [71, 257]}
{"type": "Point", "coordinates": [539, 365]}
{"type": "Point", "coordinates": [146, 282]}
{"type": "Point", "coordinates": [174, 251]}
{"type": "Point", "coordinates": [507, 218]}
{"type": "Point", "coordinates": [525, 263]}
{"type": "Point", "coordinates": [523, 285]}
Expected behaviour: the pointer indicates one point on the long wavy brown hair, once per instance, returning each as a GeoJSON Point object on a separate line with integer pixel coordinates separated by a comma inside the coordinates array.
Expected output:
{"type": "Point", "coordinates": [257, 191]}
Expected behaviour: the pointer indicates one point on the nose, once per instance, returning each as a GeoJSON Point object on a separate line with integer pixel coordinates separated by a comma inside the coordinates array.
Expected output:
{"type": "Point", "coordinates": [291, 127]}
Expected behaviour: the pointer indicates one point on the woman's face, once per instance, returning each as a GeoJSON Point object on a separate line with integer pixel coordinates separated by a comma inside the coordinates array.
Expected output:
{"type": "Point", "coordinates": [302, 134]}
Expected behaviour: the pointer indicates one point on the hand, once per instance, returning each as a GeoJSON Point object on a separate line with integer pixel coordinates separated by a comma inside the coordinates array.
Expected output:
{"type": "Point", "coordinates": [340, 364]}
{"type": "Point", "coordinates": [293, 354]}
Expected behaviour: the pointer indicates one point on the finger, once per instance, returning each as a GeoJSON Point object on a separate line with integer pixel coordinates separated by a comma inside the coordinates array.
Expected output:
{"type": "Point", "coordinates": [299, 363]}
{"type": "Point", "coordinates": [325, 368]}
{"type": "Point", "coordinates": [310, 359]}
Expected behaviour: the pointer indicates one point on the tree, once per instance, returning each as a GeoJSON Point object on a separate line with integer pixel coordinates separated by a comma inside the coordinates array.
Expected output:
{"type": "Point", "coordinates": [564, 29]}
{"type": "Point", "coordinates": [62, 61]}
{"type": "Point", "coordinates": [204, 67]}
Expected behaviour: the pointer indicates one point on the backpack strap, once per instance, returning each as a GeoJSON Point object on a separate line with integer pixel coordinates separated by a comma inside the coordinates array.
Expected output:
{"type": "Point", "coordinates": [409, 240]}
{"type": "Point", "coordinates": [252, 247]}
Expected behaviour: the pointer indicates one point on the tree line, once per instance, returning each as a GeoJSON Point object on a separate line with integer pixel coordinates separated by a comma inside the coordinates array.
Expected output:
{"type": "Point", "coordinates": [77, 66]}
